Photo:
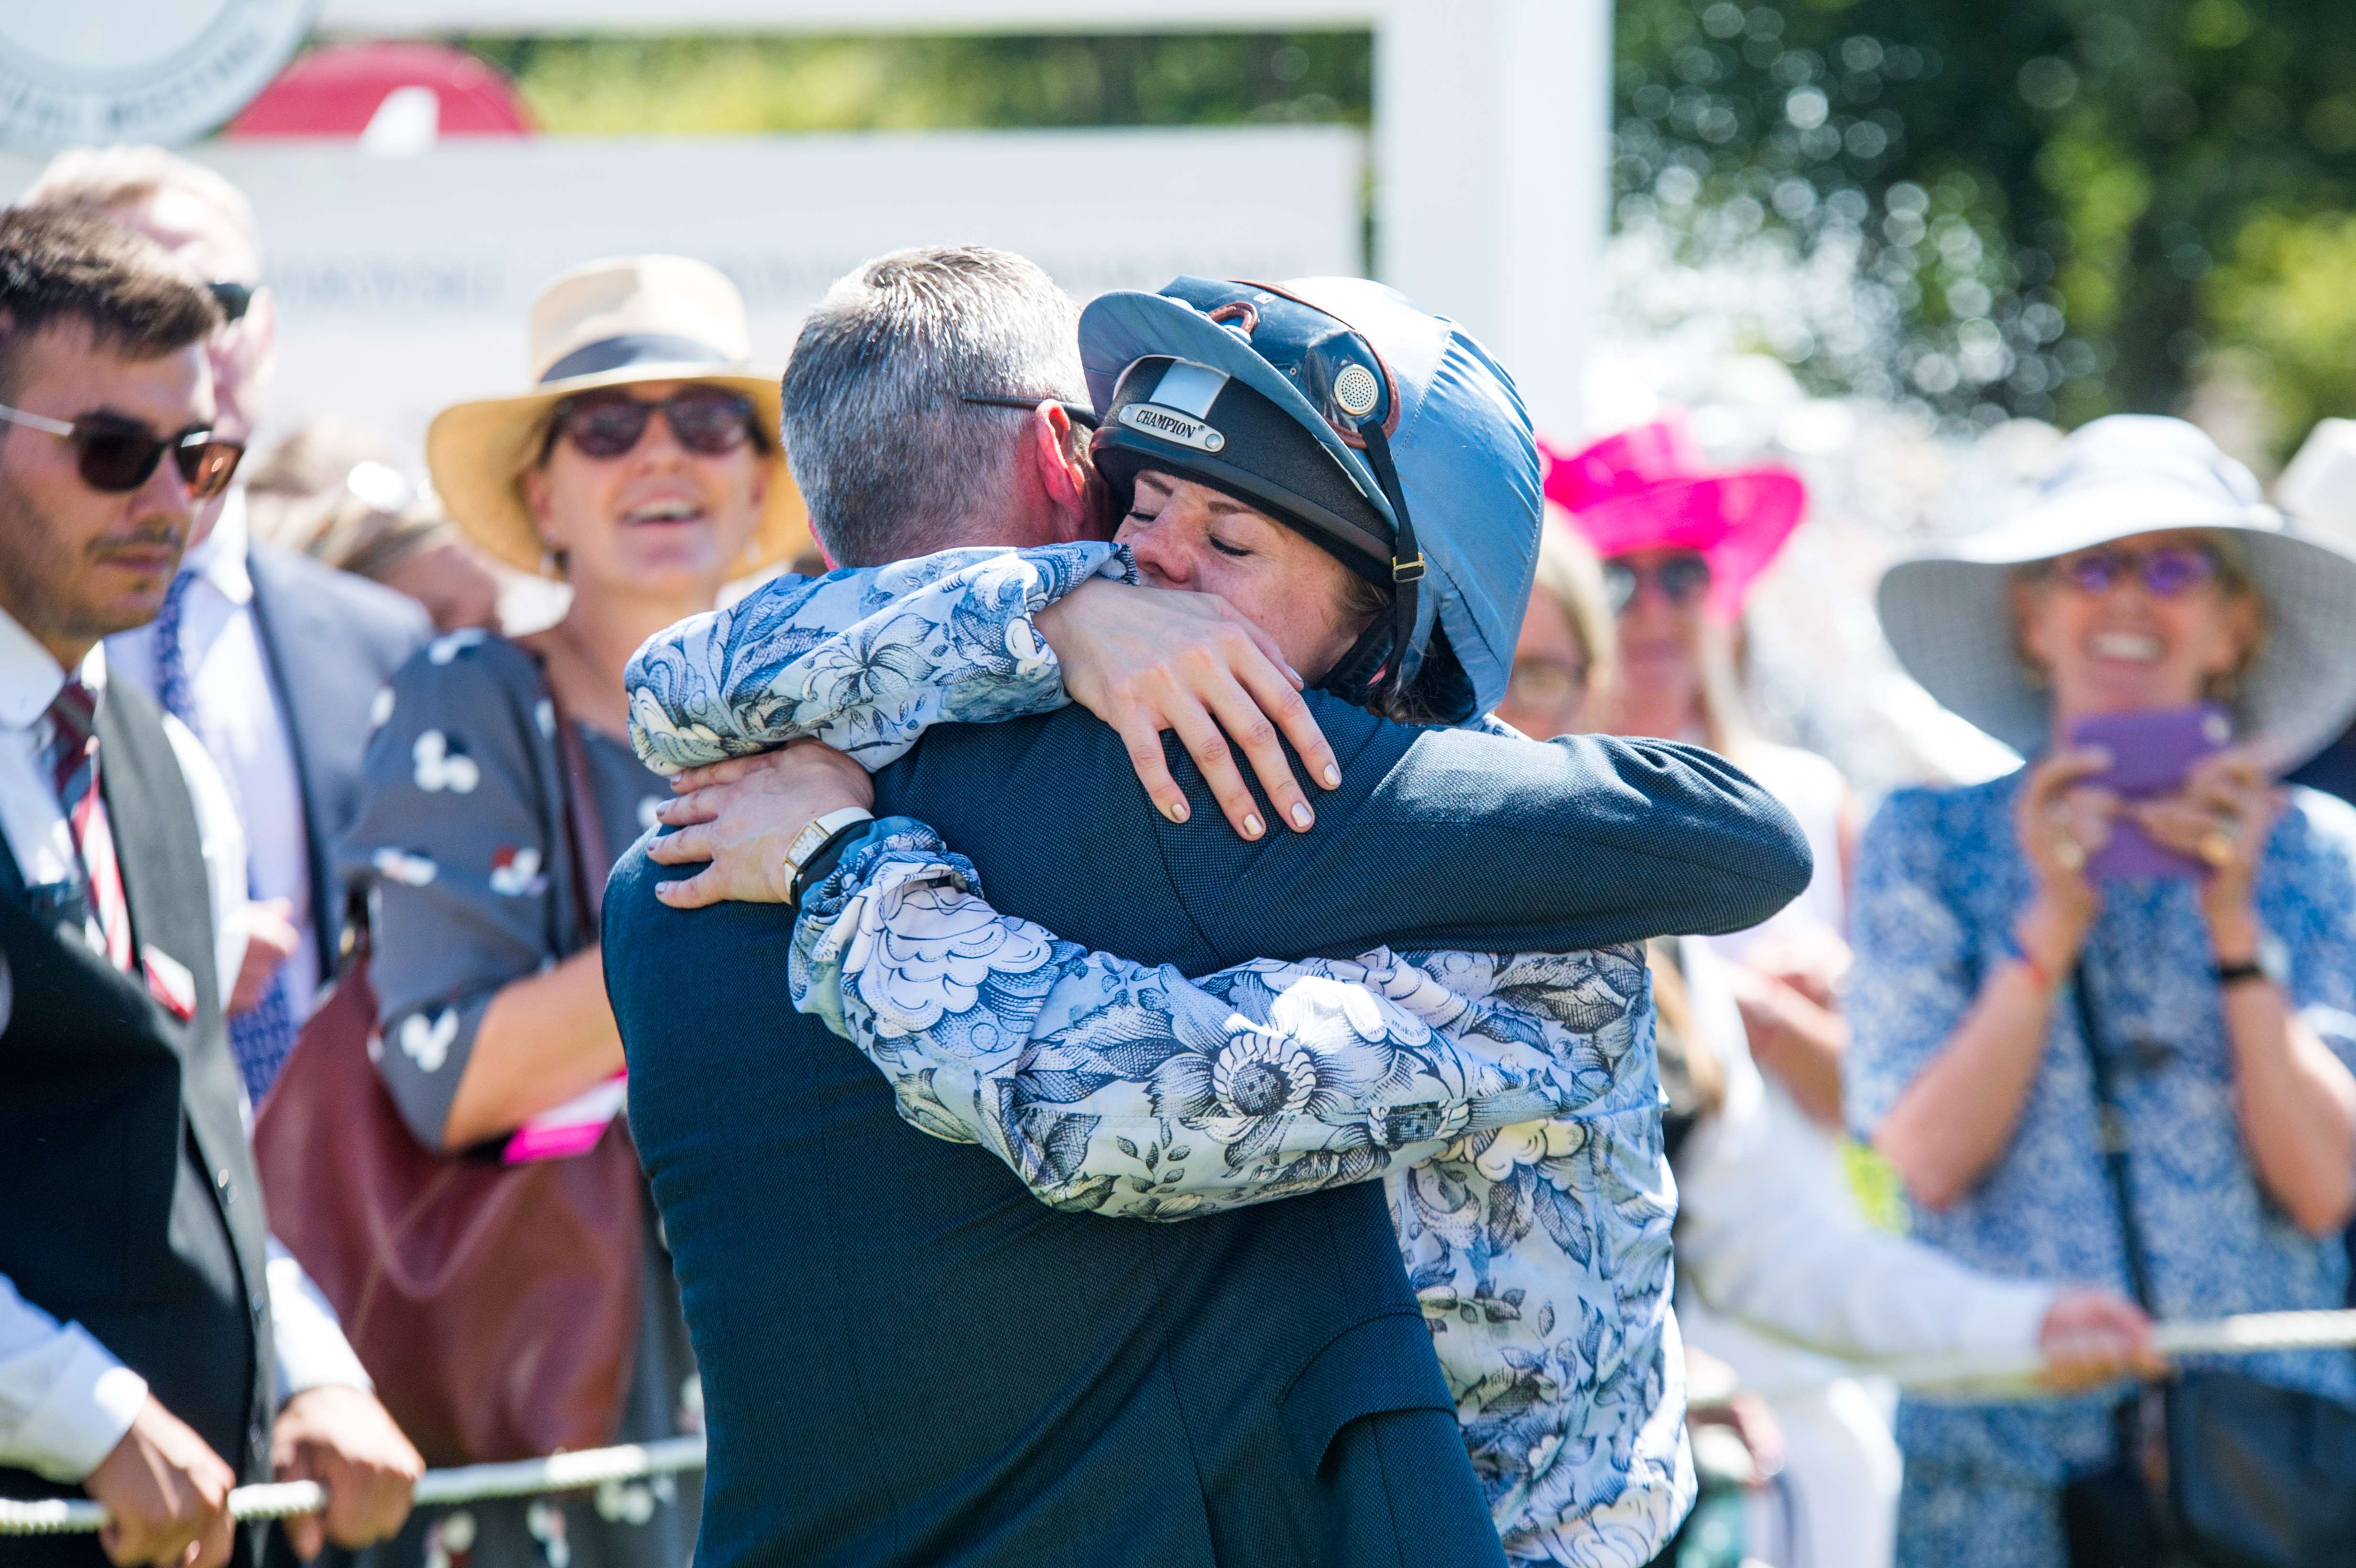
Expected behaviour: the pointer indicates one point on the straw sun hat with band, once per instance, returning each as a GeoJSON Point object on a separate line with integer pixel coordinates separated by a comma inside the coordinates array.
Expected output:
{"type": "Point", "coordinates": [608, 324]}
{"type": "Point", "coordinates": [1949, 616]}
{"type": "Point", "coordinates": [1383, 434]}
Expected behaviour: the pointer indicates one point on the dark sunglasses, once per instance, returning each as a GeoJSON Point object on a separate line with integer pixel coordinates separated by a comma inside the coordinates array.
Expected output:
{"type": "Point", "coordinates": [2167, 573]}
{"type": "Point", "coordinates": [707, 420]}
{"type": "Point", "coordinates": [116, 454]}
{"type": "Point", "coordinates": [234, 299]}
{"type": "Point", "coordinates": [1680, 578]}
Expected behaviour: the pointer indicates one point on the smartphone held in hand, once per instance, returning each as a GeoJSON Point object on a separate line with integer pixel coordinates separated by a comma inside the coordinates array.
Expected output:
{"type": "Point", "coordinates": [2151, 753]}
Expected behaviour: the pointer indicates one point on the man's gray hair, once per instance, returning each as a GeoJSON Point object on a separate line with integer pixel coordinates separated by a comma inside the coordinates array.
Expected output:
{"type": "Point", "coordinates": [890, 462]}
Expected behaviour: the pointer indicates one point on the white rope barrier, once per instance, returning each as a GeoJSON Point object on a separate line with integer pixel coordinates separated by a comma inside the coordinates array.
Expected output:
{"type": "Point", "coordinates": [636, 1461]}
{"type": "Point", "coordinates": [283, 1499]}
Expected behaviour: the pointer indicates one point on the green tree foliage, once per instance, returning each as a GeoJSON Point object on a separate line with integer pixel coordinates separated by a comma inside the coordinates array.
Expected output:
{"type": "Point", "coordinates": [715, 85]}
{"type": "Point", "coordinates": [2284, 304]}
{"type": "Point", "coordinates": [2044, 187]}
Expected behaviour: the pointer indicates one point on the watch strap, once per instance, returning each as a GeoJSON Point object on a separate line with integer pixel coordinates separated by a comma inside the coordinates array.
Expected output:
{"type": "Point", "coordinates": [2271, 961]}
{"type": "Point", "coordinates": [814, 837]}
{"type": "Point", "coordinates": [821, 866]}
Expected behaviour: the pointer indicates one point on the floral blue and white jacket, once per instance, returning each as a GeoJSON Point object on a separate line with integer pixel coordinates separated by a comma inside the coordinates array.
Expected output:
{"type": "Point", "coordinates": [1509, 1102]}
{"type": "Point", "coordinates": [865, 659]}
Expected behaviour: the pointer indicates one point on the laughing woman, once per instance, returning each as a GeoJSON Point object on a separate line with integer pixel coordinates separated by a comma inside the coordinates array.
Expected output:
{"type": "Point", "coordinates": [642, 470]}
{"type": "Point", "coordinates": [2042, 958]}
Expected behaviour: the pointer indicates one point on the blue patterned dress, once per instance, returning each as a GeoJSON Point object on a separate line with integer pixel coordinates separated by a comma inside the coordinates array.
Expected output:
{"type": "Point", "coordinates": [1940, 880]}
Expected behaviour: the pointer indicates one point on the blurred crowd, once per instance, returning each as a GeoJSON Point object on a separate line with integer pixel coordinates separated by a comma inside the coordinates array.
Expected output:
{"type": "Point", "coordinates": [2093, 1026]}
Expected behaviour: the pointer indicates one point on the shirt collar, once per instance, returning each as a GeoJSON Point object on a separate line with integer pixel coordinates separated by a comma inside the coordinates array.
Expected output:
{"type": "Point", "coordinates": [31, 678]}
{"type": "Point", "coordinates": [221, 558]}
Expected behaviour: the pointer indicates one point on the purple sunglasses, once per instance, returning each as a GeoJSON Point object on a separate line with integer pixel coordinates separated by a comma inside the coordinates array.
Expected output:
{"type": "Point", "coordinates": [2167, 573]}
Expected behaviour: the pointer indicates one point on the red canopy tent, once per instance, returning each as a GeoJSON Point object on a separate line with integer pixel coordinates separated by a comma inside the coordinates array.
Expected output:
{"type": "Point", "coordinates": [336, 89]}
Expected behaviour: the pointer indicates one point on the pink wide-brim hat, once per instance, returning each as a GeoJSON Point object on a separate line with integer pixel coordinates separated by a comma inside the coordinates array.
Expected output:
{"type": "Point", "coordinates": [1651, 488]}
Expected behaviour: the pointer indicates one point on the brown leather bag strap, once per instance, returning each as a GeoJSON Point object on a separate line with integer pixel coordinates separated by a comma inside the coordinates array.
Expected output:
{"type": "Point", "coordinates": [593, 860]}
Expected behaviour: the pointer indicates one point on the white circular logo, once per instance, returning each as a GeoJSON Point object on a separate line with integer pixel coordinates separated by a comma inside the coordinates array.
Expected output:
{"type": "Point", "coordinates": [1357, 391]}
{"type": "Point", "coordinates": [80, 71]}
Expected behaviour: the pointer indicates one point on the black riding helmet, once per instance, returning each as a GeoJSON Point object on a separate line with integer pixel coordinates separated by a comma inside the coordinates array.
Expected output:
{"type": "Point", "coordinates": [1197, 421]}
{"type": "Point", "coordinates": [1200, 423]}
{"type": "Point", "coordinates": [1202, 379]}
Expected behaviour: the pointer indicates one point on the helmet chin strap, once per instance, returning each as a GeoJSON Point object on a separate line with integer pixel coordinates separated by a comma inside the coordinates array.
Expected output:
{"type": "Point", "coordinates": [1406, 563]}
{"type": "Point", "coordinates": [1355, 678]}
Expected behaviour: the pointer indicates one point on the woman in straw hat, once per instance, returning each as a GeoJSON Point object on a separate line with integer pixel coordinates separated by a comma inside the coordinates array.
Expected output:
{"type": "Point", "coordinates": [642, 469]}
{"type": "Point", "coordinates": [2200, 931]}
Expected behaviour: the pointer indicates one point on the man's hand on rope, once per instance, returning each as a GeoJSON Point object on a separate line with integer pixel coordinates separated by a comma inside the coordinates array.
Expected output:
{"type": "Point", "coordinates": [165, 1493]}
{"type": "Point", "coordinates": [343, 1439]}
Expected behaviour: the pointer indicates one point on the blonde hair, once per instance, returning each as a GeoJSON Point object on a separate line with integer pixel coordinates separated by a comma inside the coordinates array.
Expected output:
{"type": "Point", "coordinates": [1693, 1076]}
{"type": "Point", "coordinates": [1725, 716]}
{"type": "Point", "coordinates": [102, 180]}
{"type": "Point", "coordinates": [1569, 574]}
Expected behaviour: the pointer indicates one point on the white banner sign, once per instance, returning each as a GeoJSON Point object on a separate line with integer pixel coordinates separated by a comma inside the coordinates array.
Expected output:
{"type": "Point", "coordinates": [402, 283]}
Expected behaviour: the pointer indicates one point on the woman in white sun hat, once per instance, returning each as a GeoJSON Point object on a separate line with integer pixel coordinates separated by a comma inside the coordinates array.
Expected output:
{"type": "Point", "coordinates": [2203, 930]}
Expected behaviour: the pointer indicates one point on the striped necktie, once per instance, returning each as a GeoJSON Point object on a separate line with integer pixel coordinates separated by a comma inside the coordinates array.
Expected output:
{"type": "Point", "coordinates": [260, 1036]}
{"type": "Point", "coordinates": [73, 721]}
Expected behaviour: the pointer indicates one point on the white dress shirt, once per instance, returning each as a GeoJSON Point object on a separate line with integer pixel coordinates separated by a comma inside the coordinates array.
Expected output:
{"type": "Point", "coordinates": [241, 719]}
{"type": "Point", "coordinates": [1773, 1238]}
{"type": "Point", "coordinates": [64, 1401]}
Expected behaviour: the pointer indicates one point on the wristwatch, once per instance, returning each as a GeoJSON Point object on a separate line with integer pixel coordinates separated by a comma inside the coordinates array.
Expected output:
{"type": "Point", "coordinates": [816, 835]}
{"type": "Point", "coordinates": [2271, 962]}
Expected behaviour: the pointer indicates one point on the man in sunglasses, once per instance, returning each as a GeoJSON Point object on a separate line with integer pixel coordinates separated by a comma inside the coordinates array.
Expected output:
{"type": "Point", "coordinates": [140, 1301]}
{"type": "Point", "coordinates": [270, 657]}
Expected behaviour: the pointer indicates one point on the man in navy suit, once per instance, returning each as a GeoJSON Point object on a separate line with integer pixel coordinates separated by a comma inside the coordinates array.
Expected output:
{"type": "Point", "coordinates": [271, 658]}
{"type": "Point", "coordinates": [906, 1359]}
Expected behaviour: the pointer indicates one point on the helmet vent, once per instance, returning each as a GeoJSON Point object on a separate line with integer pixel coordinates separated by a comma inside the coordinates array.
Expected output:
{"type": "Point", "coordinates": [1357, 391]}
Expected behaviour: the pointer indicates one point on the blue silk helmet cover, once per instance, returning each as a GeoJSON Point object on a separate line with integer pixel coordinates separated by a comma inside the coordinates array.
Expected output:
{"type": "Point", "coordinates": [1467, 464]}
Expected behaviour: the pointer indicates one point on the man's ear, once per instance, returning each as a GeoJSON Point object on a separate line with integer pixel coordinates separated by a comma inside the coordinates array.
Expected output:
{"type": "Point", "coordinates": [1064, 471]}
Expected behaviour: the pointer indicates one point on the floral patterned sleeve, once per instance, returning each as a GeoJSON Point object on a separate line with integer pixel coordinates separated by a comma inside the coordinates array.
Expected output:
{"type": "Point", "coordinates": [1916, 972]}
{"type": "Point", "coordinates": [865, 659]}
{"type": "Point", "coordinates": [1122, 1088]}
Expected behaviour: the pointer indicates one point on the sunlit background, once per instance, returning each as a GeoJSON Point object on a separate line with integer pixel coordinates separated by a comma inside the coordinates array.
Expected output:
{"type": "Point", "coordinates": [1900, 243]}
